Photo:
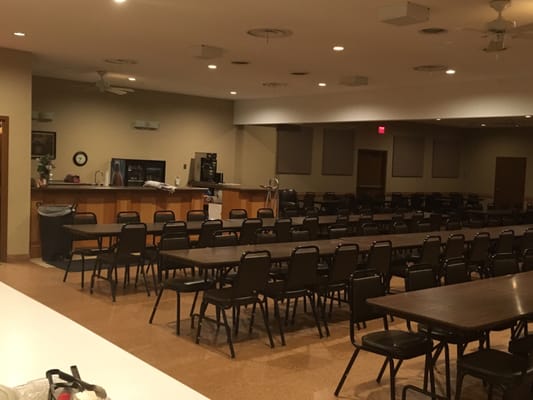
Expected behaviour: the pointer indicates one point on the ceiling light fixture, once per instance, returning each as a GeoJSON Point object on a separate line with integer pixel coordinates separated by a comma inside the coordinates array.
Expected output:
{"type": "Point", "coordinates": [233, 92]}
{"type": "Point", "coordinates": [119, 1]}
{"type": "Point", "coordinates": [450, 71]}
{"type": "Point", "coordinates": [527, 116]}
{"type": "Point", "coordinates": [322, 84]}
{"type": "Point", "coordinates": [437, 119]}
{"type": "Point", "coordinates": [212, 66]}
{"type": "Point", "coordinates": [132, 78]}
{"type": "Point", "coordinates": [19, 34]}
{"type": "Point", "coordinates": [338, 48]}
{"type": "Point", "coordinates": [483, 124]}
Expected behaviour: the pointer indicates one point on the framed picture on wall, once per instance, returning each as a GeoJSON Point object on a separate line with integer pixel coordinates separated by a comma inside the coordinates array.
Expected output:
{"type": "Point", "coordinates": [43, 143]}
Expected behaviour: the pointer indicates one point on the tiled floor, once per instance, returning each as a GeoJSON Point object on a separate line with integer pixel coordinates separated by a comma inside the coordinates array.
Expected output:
{"type": "Point", "coordinates": [306, 368]}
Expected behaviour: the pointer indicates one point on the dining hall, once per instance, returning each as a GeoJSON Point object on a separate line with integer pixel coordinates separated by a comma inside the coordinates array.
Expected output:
{"type": "Point", "coordinates": [260, 194]}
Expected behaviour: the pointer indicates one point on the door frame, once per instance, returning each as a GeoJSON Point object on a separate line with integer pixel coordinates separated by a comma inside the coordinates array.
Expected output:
{"type": "Point", "coordinates": [523, 189]}
{"type": "Point", "coordinates": [4, 175]}
{"type": "Point", "coordinates": [384, 160]}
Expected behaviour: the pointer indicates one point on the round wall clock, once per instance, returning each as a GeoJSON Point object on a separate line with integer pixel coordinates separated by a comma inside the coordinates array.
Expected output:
{"type": "Point", "coordinates": [80, 158]}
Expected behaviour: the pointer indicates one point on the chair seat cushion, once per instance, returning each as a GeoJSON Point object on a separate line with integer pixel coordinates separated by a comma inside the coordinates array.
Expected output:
{"type": "Point", "coordinates": [187, 285]}
{"type": "Point", "coordinates": [224, 297]}
{"type": "Point", "coordinates": [445, 335]}
{"type": "Point", "coordinates": [276, 290]}
{"type": "Point", "coordinates": [495, 365]}
{"type": "Point", "coordinates": [397, 344]}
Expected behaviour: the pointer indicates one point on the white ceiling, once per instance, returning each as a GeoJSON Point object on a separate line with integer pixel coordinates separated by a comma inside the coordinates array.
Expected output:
{"type": "Point", "coordinates": [71, 39]}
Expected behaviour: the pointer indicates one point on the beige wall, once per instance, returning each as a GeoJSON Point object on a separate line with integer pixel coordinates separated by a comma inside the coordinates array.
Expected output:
{"type": "Point", "coordinates": [100, 124]}
{"type": "Point", "coordinates": [15, 103]}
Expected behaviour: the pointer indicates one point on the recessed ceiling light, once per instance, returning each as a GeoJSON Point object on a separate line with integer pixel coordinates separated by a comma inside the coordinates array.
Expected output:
{"type": "Point", "coordinates": [322, 84]}
{"type": "Point", "coordinates": [450, 71]}
{"type": "Point", "coordinates": [483, 124]}
{"type": "Point", "coordinates": [233, 92]}
{"type": "Point", "coordinates": [527, 116]}
{"type": "Point", "coordinates": [119, 1]}
{"type": "Point", "coordinates": [338, 48]}
{"type": "Point", "coordinates": [212, 66]}
{"type": "Point", "coordinates": [132, 78]}
{"type": "Point", "coordinates": [437, 119]}
{"type": "Point", "coordinates": [20, 34]}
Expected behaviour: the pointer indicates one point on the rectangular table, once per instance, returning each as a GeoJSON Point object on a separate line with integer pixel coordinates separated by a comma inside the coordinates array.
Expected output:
{"type": "Point", "coordinates": [35, 338]}
{"type": "Point", "coordinates": [212, 257]}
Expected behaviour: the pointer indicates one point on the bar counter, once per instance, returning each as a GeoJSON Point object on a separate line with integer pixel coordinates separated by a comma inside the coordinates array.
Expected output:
{"type": "Point", "coordinates": [107, 201]}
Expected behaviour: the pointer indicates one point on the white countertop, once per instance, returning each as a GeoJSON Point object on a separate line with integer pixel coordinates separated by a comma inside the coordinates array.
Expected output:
{"type": "Point", "coordinates": [35, 338]}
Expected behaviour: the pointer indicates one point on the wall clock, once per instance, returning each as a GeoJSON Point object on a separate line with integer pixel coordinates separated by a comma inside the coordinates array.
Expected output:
{"type": "Point", "coordinates": [80, 158]}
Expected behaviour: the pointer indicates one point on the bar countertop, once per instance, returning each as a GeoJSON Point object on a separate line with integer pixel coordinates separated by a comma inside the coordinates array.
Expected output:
{"type": "Point", "coordinates": [89, 186]}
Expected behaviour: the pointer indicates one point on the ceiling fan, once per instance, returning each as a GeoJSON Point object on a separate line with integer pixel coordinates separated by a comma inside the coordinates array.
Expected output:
{"type": "Point", "coordinates": [104, 86]}
{"type": "Point", "coordinates": [498, 29]}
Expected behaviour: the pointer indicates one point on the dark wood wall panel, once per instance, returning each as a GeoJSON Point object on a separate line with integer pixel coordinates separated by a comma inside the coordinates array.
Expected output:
{"type": "Point", "coordinates": [337, 152]}
{"type": "Point", "coordinates": [408, 156]}
{"type": "Point", "coordinates": [294, 150]}
{"type": "Point", "coordinates": [446, 158]}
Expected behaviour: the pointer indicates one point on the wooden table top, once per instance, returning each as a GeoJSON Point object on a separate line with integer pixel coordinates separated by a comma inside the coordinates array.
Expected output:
{"type": "Point", "coordinates": [470, 306]}
{"type": "Point", "coordinates": [216, 256]}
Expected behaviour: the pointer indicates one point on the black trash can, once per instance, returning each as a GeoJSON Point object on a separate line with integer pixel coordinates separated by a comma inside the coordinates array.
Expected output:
{"type": "Point", "coordinates": [55, 241]}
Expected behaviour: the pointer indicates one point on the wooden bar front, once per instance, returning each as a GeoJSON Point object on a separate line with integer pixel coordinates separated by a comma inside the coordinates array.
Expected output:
{"type": "Point", "coordinates": [106, 202]}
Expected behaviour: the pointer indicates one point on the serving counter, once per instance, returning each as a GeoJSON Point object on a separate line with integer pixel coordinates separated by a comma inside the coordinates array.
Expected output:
{"type": "Point", "coordinates": [107, 201]}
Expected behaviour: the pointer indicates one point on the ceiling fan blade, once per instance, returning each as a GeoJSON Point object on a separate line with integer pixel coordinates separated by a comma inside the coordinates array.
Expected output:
{"type": "Point", "coordinates": [526, 28]}
{"type": "Point", "coordinates": [116, 91]}
{"type": "Point", "coordinates": [124, 89]}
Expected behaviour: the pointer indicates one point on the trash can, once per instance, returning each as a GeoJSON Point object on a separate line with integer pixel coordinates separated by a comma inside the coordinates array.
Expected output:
{"type": "Point", "coordinates": [55, 241]}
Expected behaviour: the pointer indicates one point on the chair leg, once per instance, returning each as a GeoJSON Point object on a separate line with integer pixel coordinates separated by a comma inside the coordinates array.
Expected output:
{"type": "Point", "coordinates": [203, 307]}
{"type": "Point", "coordinates": [178, 312]}
{"type": "Point", "coordinates": [315, 314]}
{"type": "Point", "coordinates": [346, 371]}
{"type": "Point", "coordinates": [82, 270]}
{"type": "Point", "coordinates": [252, 318]}
{"type": "Point", "coordinates": [156, 305]}
{"type": "Point", "coordinates": [382, 370]}
{"type": "Point", "coordinates": [278, 317]}
{"type": "Point", "coordinates": [112, 283]}
{"type": "Point", "coordinates": [322, 306]}
{"type": "Point", "coordinates": [392, 379]}
{"type": "Point", "coordinates": [267, 326]}
{"type": "Point", "coordinates": [67, 269]}
{"type": "Point", "coordinates": [228, 332]}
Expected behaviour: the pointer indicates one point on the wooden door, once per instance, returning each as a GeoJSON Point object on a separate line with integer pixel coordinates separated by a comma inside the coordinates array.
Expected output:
{"type": "Point", "coordinates": [509, 182]}
{"type": "Point", "coordinates": [371, 174]}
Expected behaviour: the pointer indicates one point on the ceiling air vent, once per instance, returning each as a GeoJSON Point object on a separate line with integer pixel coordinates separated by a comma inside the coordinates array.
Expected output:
{"type": "Point", "coordinates": [269, 33]}
{"type": "Point", "coordinates": [274, 84]}
{"type": "Point", "coordinates": [356, 80]}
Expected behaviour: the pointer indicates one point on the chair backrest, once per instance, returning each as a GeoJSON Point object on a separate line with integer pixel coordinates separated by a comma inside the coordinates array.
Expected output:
{"type": "Point", "coordinates": [336, 231]}
{"type": "Point", "coordinates": [308, 200]}
{"type": "Point", "coordinates": [379, 258]}
{"type": "Point", "coordinates": [362, 288]}
{"type": "Point", "coordinates": [196, 215]}
{"type": "Point", "coordinates": [282, 227]}
{"type": "Point", "coordinates": [225, 237]}
{"type": "Point", "coordinates": [164, 216]}
{"type": "Point", "coordinates": [265, 213]}
{"type": "Point", "coordinates": [312, 212]}
{"type": "Point", "coordinates": [453, 224]}
{"type": "Point", "coordinates": [248, 229]}
{"type": "Point", "coordinates": [505, 243]}
{"type": "Point", "coordinates": [527, 260]}
{"type": "Point", "coordinates": [455, 246]}
{"type": "Point", "coordinates": [252, 274]}
{"type": "Point", "coordinates": [81, 218]}
{"type": "Point", "coordinates": [419, 276]}
{"type": "Point", "coordinates": [206, 237]}
{"type": "Point", "coordinates": [479, 249]}
{"type": "Point", "coordinates": [312, 225]}
{"type": "Point", "coordinates": [174, 228]}
{"type": "Point", "coordinates": [400, 226]}
{"type": "Point", "coordinates": [435, 221]}
{"type": "Point", "coordinates": [299, 234]}
{"type": "Point", "coordinates": [503, 264]}
{"type": "Point", "coordinates": [370, 228]}
{"type": "Point", "coordinates": [302, 271]}
{"type": "Point", "coordinates": [430, 253]}
{"type": "Point", "coordinates": [344, 262]}
{"type": "Point", "coordinates": [131, 240]}
{"type": "Point", "coordinates": [126, 217]}
{"type": "Point", "coordinates": [265, 235]}
{"type": "Point", "coordinates": [422, 226]}
{"type": "Point", "coordinates": [238, 213]}
{"type": "Point", "coordinates": [290, 211]}
{"type": "Point", "coordinates": [455, 271]}
{"type": "Point", "coordinates": [527, 240]}
{"type": "Point", "coordinates": [173, 242]}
